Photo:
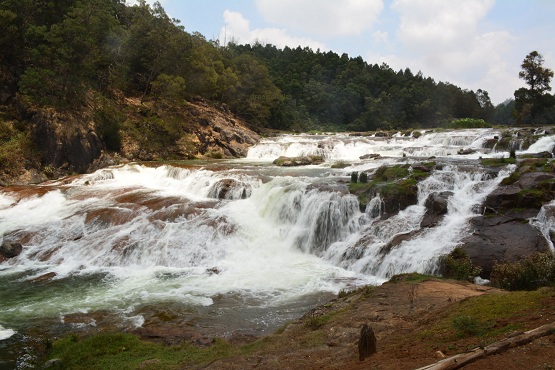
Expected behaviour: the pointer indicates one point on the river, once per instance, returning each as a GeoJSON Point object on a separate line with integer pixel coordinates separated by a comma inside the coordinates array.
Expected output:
{"type": "Point", "coordinates": [224, 247]}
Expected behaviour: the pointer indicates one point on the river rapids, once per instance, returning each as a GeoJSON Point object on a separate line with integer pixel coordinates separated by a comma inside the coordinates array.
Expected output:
{"type": "Point", "coordinates": [227, 246]}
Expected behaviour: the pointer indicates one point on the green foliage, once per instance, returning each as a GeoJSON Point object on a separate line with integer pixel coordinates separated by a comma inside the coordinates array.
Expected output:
{"type": "Point", "coordinates": [530, 273]}
{"type": "Point", "coordinates": [14, 145]}
{"type": "Point", "coordinates": [465, 123]}
{"type": "Point", "coordinates": [533, 102]}
{"type": "Point", "coordinates": [354, 177]}
{"type": "Point", "coordinates": [340, 164]}
{"type": "Point", "coordinates": [107, 121]}
{"type": "Point", "coordinates": [457, 265]}
{"type": "Point", "coordinates": [126, 351]}
{"type": "Point", "coordinates": [468, 325]}
{"type": "Point", "coordinates": [497, 162]}
{"type": "Point", "coordinates": [363, 178]}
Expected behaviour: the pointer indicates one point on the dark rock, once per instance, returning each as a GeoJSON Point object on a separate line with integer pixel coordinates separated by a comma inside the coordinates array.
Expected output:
{"type": "Point", "coordinates": [466, 151]}
{"type": "Point", "coordinates": [370, 156]}
{"type": "Point", "coordinates": [490, 143]}
{"type": "Point", "coordinates": [366, 343]}
{"type": "Point", "coordinates": [436, 206]}
{"type": "Point", "coordinates": [381, 134]}
{"type": "Point", "coordinates": [10, 250]}
{"type": "Point", "coordinates": [501, 239]}
{"type": "Point", "coordinates": [533, 180]}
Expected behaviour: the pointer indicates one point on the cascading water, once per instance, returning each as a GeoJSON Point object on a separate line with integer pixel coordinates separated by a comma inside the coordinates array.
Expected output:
{"type": "Point", "coordinates": [237, 245]}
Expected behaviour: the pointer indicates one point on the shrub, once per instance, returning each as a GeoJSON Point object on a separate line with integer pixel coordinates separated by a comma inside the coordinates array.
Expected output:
{"type": "Point", "coordinates": [468, 123]}
{"type": "Point", "coordinates": [363, 177]}
{"type": "Point", "coordinates": [354, 177]}
{"type": "Point", "coordinates": [457, 265]}
{"type": "Point", "coordinates": [530, 273]}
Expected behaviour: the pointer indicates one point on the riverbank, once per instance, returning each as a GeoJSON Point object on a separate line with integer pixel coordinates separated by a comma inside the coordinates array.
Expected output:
{"type": "Point", "coordinates": [417, 320]}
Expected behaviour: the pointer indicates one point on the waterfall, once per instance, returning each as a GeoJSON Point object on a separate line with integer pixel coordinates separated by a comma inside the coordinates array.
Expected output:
{"type": "Point", "coordinates": [371, 251]}
{"type": "Point", "coordinates": [545, 222]}
{"type": "Point", "coordinates": [243, 238]}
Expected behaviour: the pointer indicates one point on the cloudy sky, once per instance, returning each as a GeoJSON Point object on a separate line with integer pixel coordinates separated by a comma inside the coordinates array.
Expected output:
{"type": "Point", "coordinates": [471, 43]}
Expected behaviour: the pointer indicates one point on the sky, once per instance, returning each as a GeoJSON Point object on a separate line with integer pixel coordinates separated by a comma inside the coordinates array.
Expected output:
{"type": "Point", "coordinates": [474, 44]}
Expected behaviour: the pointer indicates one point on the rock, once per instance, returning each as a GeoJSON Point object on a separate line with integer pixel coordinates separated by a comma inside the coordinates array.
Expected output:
{"type": "Point", "coordinates": [10, 250]}
{"type": "Point", "coordinates": [501, 239]}
{"type": "Point", "coordinates": [466, 151]}
{"type": "Point", "coordinates": [298, 161]}
{"type": "Point", "coordinates": [490, 143]}
{"type": "Point", "coordinates": [370, 156]}
{"type": "Point", "coordinates": [436, 206]}
{"type": "Point", "coordinates": [230, 189]}
{"type": "Point", "coordinates": [53, 363]}
{"type": "Point", "coordinates": [366, 343]}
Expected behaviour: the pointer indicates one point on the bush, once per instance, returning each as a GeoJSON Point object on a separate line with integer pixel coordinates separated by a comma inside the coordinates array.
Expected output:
{"type": "Point", "coordinates": [354, 177]}
{"type": "Point", "coordinates": [530, 273]}
{"type": "Point", "coordinates": [468, 123]}
{"type": "Point", "coordinates": [457, 265]}
{"type": "Point", "coordinates": [363, 177]}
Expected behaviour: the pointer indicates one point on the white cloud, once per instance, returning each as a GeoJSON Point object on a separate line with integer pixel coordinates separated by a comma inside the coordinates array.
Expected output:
{"type": "Point", "coordinates": [237, 29]}
{"type": "Point", "coordinates": [444, 40]}
{"type": "Point", "coordinates": [322, 17]}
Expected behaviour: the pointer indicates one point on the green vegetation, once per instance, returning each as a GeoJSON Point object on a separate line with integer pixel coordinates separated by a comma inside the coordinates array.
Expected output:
{"type": "Point", "coordinates": [528, 274]}
{"type": "Point", "coordinates": [468, 123]}
{"type": "Point", "coordinates": [486, 316]}
{"type": "Point", "coordinates": [457, 265]}
{"type": "Point", "coordinates": [126, 351]}
{"type": "Point", "coordinates": [397, 185]}
{"type": "Point", "coordinates": [497, 162]}
{"type": "Point", "coordinates": [340, 164]}
{"type": "Point", "coordinates": [534, 104]}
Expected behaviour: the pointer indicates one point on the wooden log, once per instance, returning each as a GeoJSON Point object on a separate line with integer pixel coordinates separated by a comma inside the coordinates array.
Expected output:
{"type": "Point", "coordinates": [463, 359]}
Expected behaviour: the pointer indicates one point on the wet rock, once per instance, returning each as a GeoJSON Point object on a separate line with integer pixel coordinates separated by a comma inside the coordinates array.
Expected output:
{"type": "Point", "coordinates": [230, 189]}
{"type": "Point", "coordinates": [466, 151]}
{"type": "Point", "coordinates": [370, 156]}
{"type": "Point", "coordinates": [44, 278]}
{"type": "Point", "coordinates": [10, 250]}
{"type": "Point", "coordinates": [502, 239]}
{"type": "Point", "coordinates": [436, 206]}
{"type": "Point", "coordinates": [298, 161]}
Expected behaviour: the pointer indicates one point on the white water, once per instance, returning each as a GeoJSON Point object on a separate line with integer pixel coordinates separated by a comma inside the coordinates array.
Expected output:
{"type": "Point", "coordinates": [6, 333]}
{"type": "Point", "coordinates": [228, 240]}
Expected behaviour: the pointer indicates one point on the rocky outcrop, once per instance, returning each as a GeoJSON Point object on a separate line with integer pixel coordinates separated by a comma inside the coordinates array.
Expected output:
{"type": "Point", "coordinates": [530, 190]}
{"type": "Point", "coordinates": [501, 238]}
{"type": "Point", "coordinates": [66, 141]}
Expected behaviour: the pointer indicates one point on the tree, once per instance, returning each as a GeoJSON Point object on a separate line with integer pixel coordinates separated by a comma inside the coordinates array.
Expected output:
{"type": "Point", "coordinates": [531, 102]}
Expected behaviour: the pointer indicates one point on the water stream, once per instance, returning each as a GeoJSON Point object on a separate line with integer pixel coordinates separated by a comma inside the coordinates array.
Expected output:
{"type": "Point", "coordinates": [224, 247]}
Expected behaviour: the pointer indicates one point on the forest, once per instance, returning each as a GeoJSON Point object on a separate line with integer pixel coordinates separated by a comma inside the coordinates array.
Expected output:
{"type": "Point", "coordinates": [65, 55]}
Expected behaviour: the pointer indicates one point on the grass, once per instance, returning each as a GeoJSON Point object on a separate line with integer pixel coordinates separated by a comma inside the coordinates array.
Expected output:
{"type": "Point", "coordinates": [126, 351]}
{"type": "Point", "coordinates": [497, 162]}
{"type": "Point", "coordinates": [486, 316]}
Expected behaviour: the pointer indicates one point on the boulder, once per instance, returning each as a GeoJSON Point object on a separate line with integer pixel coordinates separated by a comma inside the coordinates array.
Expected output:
{"type": "Point", "coordinates": [436, 206]}
{"type": "Point", "coordinates": [229, 189]}
{"type": "Point", "coordinates": [10, 250]}
{"type": "Point", "coordinates": [298, 161]}
{"type": "Point", "coordinates": [501, 239]}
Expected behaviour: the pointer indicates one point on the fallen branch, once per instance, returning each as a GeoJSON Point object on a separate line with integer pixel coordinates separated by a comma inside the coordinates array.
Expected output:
{"type": "Point", "coordinates": [463, 359]}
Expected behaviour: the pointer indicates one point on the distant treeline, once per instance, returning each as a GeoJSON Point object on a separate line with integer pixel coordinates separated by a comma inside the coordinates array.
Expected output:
{"type": "Point", "coordinates": [60, 53]}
